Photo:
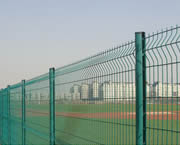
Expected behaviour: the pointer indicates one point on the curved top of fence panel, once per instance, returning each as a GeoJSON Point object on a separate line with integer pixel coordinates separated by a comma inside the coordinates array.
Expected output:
{"type": "Point", "coordinates": [164, 37]}
{"type": "Point", "coordinates": [118, 52]}
{"type": "Point", "coordinates": [162, 47]}
{"type": "Point", "coordinates": [37, 79]}
{"type": "Point", "coordinates": [15, 86]}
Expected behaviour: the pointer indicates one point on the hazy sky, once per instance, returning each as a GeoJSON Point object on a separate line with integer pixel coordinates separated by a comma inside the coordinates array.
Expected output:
{"type": "Point", "coordinates": [38, 34]}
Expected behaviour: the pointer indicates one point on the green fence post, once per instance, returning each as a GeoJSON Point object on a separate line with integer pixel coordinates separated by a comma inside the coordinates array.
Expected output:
{"type": "Point", "coordinates": [23, 113]}
{"type": "Point", "coordinates": [144, 87]}
{"type": "Point", "coordinates": [1, 119]}
{"type": "Point", "coordinates": [139, 87]}
{"type": "Point", "coordinates": [9, 115]}
{"type": "Point", "coordinates": [52, 105]}
{"type": "Point", "coordinates": [2, 138]}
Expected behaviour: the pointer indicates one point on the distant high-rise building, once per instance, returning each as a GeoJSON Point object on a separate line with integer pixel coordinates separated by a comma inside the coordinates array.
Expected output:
{"type": "Point", "coordinates": [165, 90]}
{"type": "Point", "coordinates": [84, 91]}
{"type": "Point", "coordinates": [95, 90]}
{"type": "Point", "coordinates": [75, 92]}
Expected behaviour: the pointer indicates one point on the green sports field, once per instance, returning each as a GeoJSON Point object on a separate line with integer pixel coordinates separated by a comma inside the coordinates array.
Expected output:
{"type": "Point", "coordinates": [101, 124]}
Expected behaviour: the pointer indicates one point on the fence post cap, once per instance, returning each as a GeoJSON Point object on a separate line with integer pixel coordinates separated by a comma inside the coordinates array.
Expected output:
{"type": "Point", "coordinates": [140, 32]}
{"type": "Point", "coordinates": [52, 68]}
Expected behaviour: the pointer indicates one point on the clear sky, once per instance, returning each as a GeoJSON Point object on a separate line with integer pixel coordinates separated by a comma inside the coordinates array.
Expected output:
{"type": "Point", "coordinates": [38, 34]}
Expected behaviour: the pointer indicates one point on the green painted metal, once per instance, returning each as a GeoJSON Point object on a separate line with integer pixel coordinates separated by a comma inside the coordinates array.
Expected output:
{"type": "Point", "coordinates": [139, 87]}
{"type": "Point", "coordinates": [144, 88]}
{"type": "Point", "coordinates": [95, 101]}
{"type": "Point", "coordinates": [15, 86]}
{"type": "Point", "coordinates": [23, 113]}
{"type": "Point", "coordinates": [162, 66]}
{"type": "Point", "coordinates": [37, 79]}
{"type": "Point", "coordinates": [52, 105]}
{"type": "Point", "coordinates": [9, 114]}
{"type": "Point", "coordinates": [1, 111]}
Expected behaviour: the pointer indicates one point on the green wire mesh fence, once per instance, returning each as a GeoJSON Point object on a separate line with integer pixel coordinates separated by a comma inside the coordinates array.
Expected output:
{"type": "Point", "coordinates": [163, 70]}
{"type": "Point", "coordinates": [97, 99]}
{"type": "Point", "coordinates": [126, 95]}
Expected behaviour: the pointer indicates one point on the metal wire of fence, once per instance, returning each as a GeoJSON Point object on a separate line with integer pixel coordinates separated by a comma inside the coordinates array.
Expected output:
{"type": "Point", "coordinates": [126, 95]}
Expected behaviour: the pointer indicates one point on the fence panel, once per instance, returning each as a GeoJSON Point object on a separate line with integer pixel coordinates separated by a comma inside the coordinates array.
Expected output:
{"type": "Point", "coordinates": [15, 125]}
{"type": "Point", "coordinates": [5, 117]}
{"type": "Point", "coordinates": [163, 71]}
{"type": "Point", "coordinates": [37, 111]}
{"type": "Point", "coordinates": [1, 115]}
{"type": "Point", "coordinates": [95, 99]}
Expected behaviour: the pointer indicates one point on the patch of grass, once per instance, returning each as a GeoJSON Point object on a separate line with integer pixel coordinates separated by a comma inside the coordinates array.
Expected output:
{"type": "Point", "coordinates": [82, 131]}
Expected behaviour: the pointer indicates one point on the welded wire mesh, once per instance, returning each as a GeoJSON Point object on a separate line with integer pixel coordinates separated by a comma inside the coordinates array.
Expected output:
{"type": "Point", "coordinates": [5, 117]}
{"type": "Point", "coordinates": [15, 108]}
{"type": "Point", "coordinates": [37, 110]}
{"type": "Point", "coordinates": [163, 71]}
{"type": "Point", "coordinates": [95, 99]}
{"type": "Point", "coordinates": [1, 115]}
